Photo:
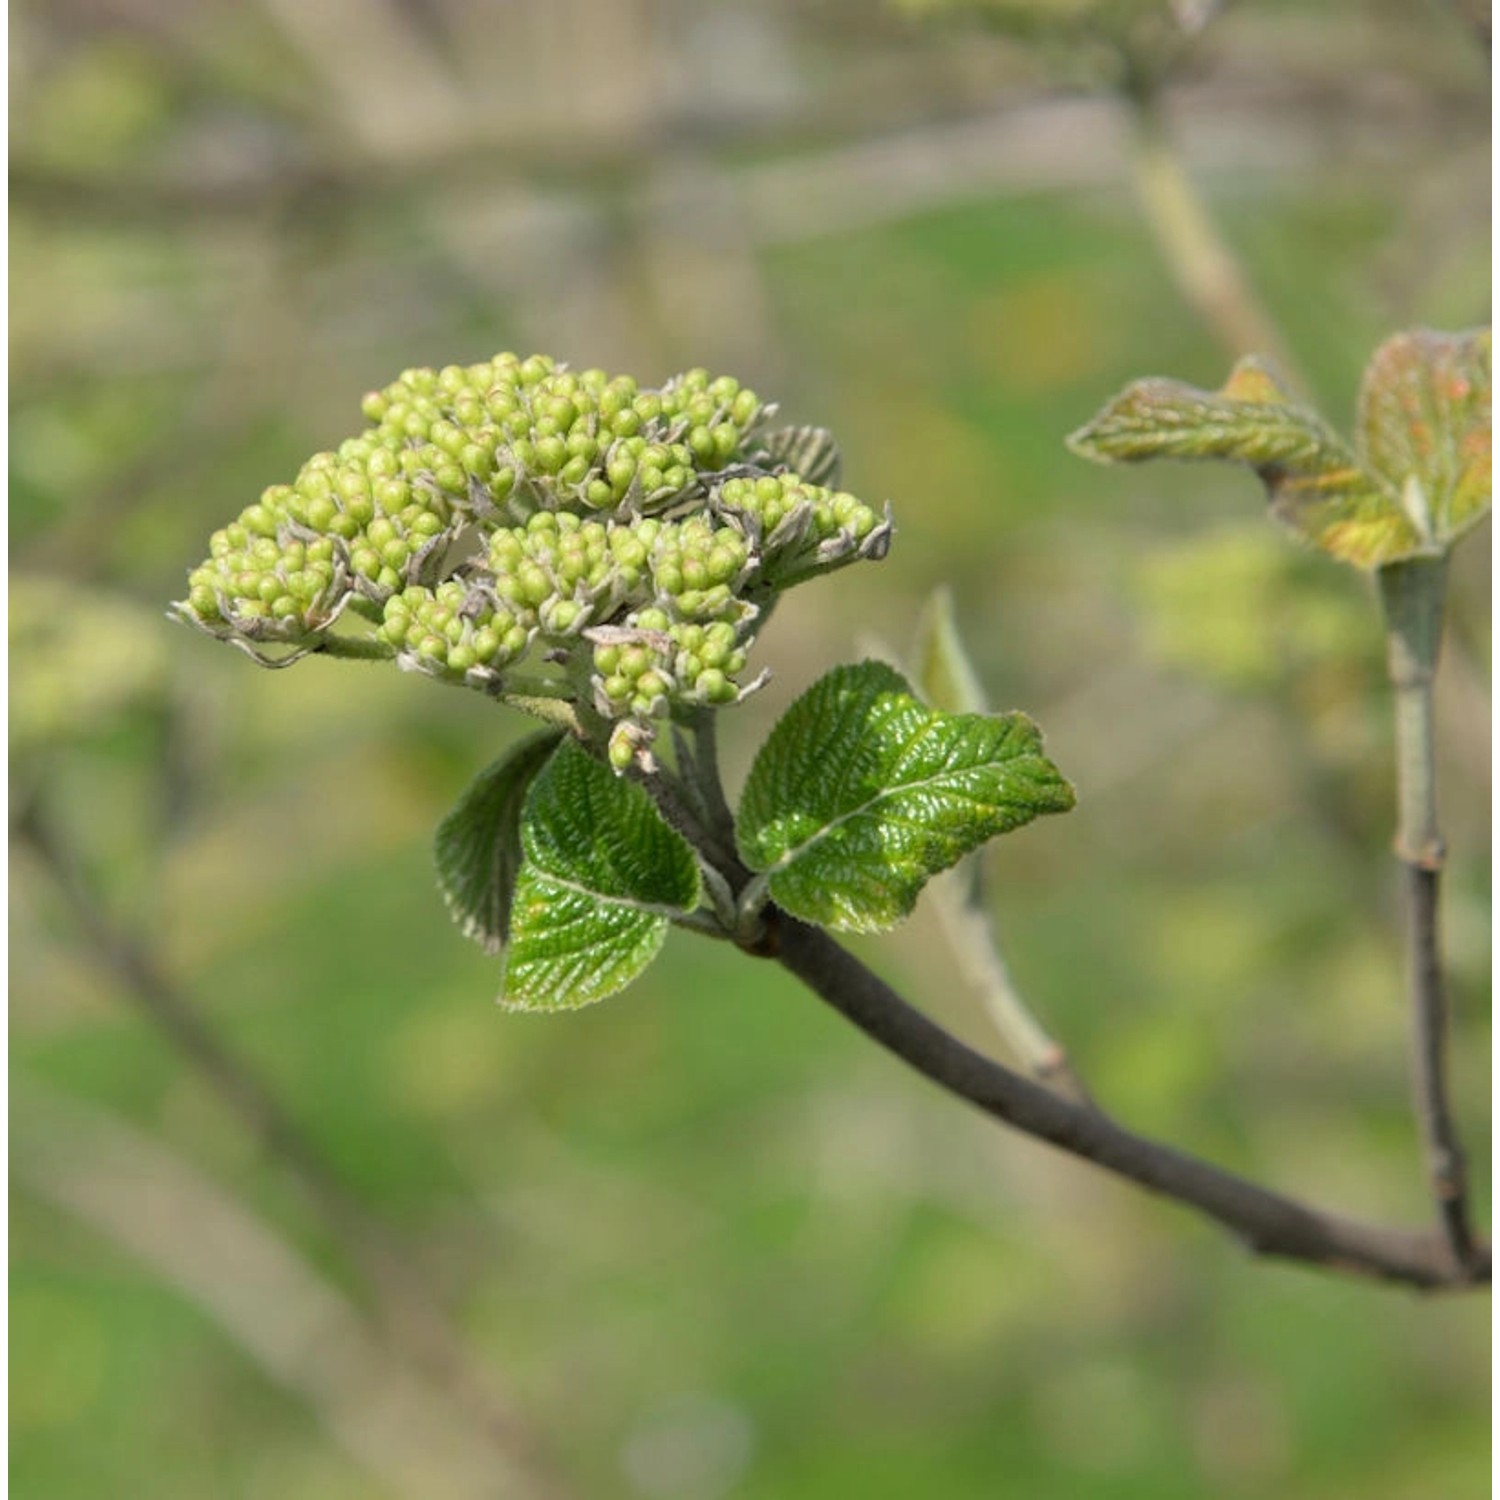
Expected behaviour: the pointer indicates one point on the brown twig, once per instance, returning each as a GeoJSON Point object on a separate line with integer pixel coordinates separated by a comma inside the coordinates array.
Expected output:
{"type": "Point", "coordinates": [1267, 1222]}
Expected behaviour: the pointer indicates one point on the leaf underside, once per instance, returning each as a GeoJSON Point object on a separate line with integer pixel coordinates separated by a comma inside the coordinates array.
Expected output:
{"type": "Point", "coordinates": [601, 878]}
{"type": "Point", "coordinates": [861, 794]}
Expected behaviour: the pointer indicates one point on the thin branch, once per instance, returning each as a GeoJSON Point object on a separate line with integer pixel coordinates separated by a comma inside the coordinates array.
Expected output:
{"type": "Point", "coordinates": [1413, 597]}
{"type": "Point", "coordinates": [384, 1412]}
{"type": "Point", "coordinates": [409, 1317]}
{"type": "Point", "coordinates": [1204, 265]}
{"type": "Point", "coordinates": [1446, 1167]}
{"type": "Point", "coordinates": [1267, 1222]}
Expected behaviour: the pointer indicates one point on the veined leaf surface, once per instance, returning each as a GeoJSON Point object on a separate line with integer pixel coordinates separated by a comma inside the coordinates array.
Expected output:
{"type": "Point", "coordinates": [601, 878]}
{"type": "Point", "coordinates": [861, 794]}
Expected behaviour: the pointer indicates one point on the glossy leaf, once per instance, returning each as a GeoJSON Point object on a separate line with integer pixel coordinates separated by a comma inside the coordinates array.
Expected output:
{"type": "Point", "coordinates": [861, 794]}
{"type": "Point", "coordinates": [478, 844]}
{"type": "Point", "coordinates": [1424, 428]}
{"type": "Point", "coordinates": [601, 877]}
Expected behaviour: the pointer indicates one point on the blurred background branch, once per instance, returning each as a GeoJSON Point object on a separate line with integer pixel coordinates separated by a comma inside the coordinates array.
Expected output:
{"type": "Point", "coordinates": [405, 1433]}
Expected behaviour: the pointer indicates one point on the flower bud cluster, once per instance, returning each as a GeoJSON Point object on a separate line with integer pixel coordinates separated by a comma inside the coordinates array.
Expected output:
{"type": "Point", "coordinates": [263, 589]}
{"type": "Point", "coordinates": [800, 528]}
{"type": "Point", "coordinates": [456, 631]}
{"type": "Point", "coordinates": [526, 434]}
{"type": "Point", "coordinates": [653, 662]}
{"type": "Point", "coordinates": [629, 538]}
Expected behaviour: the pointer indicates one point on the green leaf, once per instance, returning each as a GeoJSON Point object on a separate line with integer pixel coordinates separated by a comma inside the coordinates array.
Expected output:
{"type": "Point", "coordinates": [945, 676]}
{"type": "Point", "coordinates": [1314, 482]}
{"type": "Point", "coordinates": [1424, 428]}
{"type": "Point", "coordinates": [601, 877]}
{"type": "Point", "coordinates": [861, 793]}
{"type": "Point", "coordinates": [478, 844]}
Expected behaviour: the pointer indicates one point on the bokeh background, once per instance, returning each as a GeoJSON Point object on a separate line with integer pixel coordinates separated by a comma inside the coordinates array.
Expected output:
{"type": "Point", "coordinates": [299, 1213]}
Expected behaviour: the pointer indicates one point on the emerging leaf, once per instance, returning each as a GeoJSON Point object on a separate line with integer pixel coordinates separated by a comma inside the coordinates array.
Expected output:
{"type": "Point", "coordinates": [945, 675]}
{"type": "Point", "coordinates": [478, 844]}
{"type": "Point", "coordinates": [1314, 482]}
{"type": "Point", "coordinates": [1424, 428]}
{"type": "Point", "coordinates": [861, 794]}
{"type": "Point", "coordinates": [601, 877]}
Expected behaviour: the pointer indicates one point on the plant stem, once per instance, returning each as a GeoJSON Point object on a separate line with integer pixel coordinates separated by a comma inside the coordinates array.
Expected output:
{"type": "Point", "coordinates": [1412, 594]}
{"type": "Point", "coordinates": [705, 756]}
{"type": "Point", "coordinates": [969, 926]}
{"type": "Point", "coordinates": [1207, 271]}
{"type": "Point", "coordinates": [354, 648]}
{"type": "Point", "coordinates": [1267, 1222]}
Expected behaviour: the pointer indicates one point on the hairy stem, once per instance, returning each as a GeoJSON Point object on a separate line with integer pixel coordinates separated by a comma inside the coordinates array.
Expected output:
{"type": "Point", "coordinates": [1413, 596]}
{"type": "Point", "coordinates": [354, 648]}
{"type": "Point", "coordinates": [1267, 1222]}
{"type": "Point", "coordinates": [1207, 271]}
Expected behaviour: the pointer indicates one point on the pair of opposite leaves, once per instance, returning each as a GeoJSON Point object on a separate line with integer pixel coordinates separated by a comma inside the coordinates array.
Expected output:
{"type": "Point", "coordinates": [860, 794]}
{"type": "Point", "coordinates": [1415, 479]}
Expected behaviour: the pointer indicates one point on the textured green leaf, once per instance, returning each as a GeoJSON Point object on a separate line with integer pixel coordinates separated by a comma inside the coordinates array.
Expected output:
{"type": "Point", "coordinates": [478, 844]}
{"type": "Point", "coordinates": [601, 877]}
{"type": "Point", "coordinates": [945, 676]}
{"type": "Point", "coordinates": [1315, 483]}
{"type": "Point", "coordinates": [1424, 427]}
{"type": "Point", "coordinates": [861, 793]}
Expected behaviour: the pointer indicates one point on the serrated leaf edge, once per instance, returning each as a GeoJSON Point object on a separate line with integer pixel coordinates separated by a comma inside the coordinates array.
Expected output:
{"type": "Point", "coordinates": [469, 925]}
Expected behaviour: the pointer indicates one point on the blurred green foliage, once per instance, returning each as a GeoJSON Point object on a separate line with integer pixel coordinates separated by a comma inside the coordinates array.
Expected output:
{"type": "Point", "coordinates": [712, 1242]}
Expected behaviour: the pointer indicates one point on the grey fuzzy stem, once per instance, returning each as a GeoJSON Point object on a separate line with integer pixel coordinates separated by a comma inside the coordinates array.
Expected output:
{"type": "Point", "coordinates": [1413, 595]}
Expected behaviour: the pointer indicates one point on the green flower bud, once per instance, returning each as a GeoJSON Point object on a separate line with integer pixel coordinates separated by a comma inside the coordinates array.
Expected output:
{"type": "Point", "coordinates": [621, 749]}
